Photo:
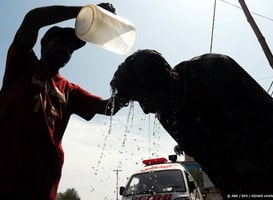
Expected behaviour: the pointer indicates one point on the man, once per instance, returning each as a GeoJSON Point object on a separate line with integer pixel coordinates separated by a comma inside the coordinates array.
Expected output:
{"type": "Point", "coordinates": [37, 102]}
{"type": "Point", "coordinates": [215, 111]}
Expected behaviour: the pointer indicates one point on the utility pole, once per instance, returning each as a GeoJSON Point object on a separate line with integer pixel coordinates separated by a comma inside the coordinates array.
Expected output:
{"type": "Point", "coordinates": [117, 171]}
{"type": "Point", "coordinates": [258, 33]}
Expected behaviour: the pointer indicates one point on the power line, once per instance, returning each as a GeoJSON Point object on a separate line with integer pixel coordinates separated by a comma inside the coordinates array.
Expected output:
{"type": "Point", "coordinates": [212, 29]}
{"type": "Point", "coordinates": [254, 13]}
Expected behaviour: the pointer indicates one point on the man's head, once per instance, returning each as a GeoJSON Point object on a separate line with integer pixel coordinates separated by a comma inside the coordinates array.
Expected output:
{"type": "Point", "coordinates": [144, 76]}
{"type": "Point", "coordinates": [57, 46]}
{"type": "Point", "coordinates": [67, 34]}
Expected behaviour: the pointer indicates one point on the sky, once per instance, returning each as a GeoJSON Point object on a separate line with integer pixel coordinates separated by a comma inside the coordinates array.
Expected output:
{"type": "Point", "coordinates": [179, 30]}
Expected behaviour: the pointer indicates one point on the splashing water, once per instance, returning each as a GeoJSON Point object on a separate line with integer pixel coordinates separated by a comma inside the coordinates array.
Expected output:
{"type": "Point", "coordinates": [111, 106]}
{"type": "Point", "coordinates": [130, 117]}
{"type": "Point", "coordinates": [112, 103]}
{"type": "Point", "coordinates": [129, 123]}
{"type": "Point", "coordinates": [154, 137]}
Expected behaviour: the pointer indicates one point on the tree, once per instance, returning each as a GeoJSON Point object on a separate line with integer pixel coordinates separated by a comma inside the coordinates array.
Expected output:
{"type": "Point", "coordinates": [69, 194]}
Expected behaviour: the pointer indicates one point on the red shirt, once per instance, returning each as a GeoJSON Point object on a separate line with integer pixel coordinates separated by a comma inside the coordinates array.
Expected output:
{"type": "Point", "coordinates": [34, 113]}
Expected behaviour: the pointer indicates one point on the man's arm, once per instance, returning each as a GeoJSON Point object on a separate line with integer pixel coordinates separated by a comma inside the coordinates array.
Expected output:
{"type": "Point", "coordinates": [39, 17]}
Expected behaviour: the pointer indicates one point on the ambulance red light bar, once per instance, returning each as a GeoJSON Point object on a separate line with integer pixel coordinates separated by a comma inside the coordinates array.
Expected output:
{"type": "Point", "coordinates": [154, 161]}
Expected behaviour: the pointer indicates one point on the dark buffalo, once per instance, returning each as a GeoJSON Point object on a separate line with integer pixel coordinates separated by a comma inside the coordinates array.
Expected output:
{"type": "Point", "coordinates": [215, 111]}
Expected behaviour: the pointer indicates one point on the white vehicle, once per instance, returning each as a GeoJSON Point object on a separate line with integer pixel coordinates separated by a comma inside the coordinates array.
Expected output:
{"type": "Point", "coordinates": [161, 180]}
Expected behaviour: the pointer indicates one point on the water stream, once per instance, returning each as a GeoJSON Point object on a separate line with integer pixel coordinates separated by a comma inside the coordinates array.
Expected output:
{"type": "Point", "coordinates": [111, 102]}
{"type": "Point", "coordinates": [152, 133]}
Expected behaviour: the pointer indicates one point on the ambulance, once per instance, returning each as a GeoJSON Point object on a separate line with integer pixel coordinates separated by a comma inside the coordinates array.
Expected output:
{"type": "Point", "coordinates": [161, 180]}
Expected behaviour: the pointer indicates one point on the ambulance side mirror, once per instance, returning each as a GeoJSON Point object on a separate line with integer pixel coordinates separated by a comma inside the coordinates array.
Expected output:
{"type": "Point", "coordinates": [121, 190]}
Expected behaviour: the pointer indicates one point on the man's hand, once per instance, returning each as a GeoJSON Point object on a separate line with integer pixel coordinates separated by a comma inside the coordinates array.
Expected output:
{"type": "Point", "coordinates": [120, 102]}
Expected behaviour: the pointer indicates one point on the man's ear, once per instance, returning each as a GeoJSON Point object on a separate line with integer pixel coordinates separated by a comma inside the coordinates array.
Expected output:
{"type": "Point", "coordinates": [175, 75]}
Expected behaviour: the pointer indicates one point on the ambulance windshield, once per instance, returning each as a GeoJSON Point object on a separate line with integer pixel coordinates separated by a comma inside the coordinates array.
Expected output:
{"type": "Point", "coordinates": [156, 182]}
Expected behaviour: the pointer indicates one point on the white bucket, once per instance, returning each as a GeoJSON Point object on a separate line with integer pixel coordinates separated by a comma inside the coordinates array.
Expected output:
{"type": "Point", "coordinates": [105, 29]}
